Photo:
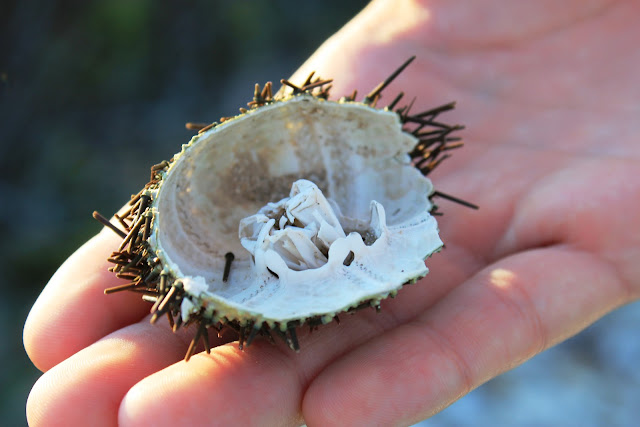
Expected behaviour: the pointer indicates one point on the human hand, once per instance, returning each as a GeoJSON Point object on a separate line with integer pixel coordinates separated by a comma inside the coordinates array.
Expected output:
{"type": "Point", "coordinates": [549, 96]}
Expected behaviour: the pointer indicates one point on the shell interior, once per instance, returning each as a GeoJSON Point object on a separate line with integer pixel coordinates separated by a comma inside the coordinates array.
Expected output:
{"type": "Point", "coordinates": [352, 156]}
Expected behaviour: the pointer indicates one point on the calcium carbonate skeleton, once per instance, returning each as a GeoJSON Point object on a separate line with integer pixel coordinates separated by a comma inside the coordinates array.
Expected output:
{"type": "Point", "coordinates": [290, 213]}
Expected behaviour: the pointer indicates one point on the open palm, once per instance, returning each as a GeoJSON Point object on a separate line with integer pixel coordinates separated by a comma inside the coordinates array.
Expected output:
{"type": "Point", "coordinates": [550, 97]}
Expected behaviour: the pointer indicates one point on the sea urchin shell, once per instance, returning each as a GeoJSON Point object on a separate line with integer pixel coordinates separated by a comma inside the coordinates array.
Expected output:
{"type": "Point", "coordinates": [294, 211]}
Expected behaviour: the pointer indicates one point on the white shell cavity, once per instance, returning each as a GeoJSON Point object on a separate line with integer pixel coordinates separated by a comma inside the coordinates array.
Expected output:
{"type": "Point", "coordinates": [355, 226]}
{"type": "Point", "coordinates": [296, 210]}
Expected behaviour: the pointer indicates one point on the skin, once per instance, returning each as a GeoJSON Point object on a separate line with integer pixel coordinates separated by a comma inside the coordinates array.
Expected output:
{"type": "Point", "coordinates": [548, 91]}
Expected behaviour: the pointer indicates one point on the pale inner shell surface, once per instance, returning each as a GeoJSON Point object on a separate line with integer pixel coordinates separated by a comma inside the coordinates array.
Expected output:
{"type": "Point", "coordinates": [355, 155]}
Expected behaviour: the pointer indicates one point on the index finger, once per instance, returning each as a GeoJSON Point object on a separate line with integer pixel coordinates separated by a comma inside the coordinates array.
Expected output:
{"type": "Point", "coordinates": [72, 312]}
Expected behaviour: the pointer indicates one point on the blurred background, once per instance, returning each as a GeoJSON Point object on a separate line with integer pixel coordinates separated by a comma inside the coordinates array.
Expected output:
{"type": "Point", "coordinates": [92, 93]}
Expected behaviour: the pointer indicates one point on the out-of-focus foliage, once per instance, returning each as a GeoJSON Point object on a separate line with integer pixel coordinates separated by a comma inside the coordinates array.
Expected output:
{"type": "Point", "coordinates": [92, 93]}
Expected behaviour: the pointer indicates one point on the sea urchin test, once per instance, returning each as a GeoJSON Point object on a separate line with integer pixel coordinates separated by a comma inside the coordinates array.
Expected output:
{"type": "Point", "coordinates": [296, 210]}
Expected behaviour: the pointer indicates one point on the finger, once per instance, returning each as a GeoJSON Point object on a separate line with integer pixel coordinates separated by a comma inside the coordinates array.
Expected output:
{"type": "Point", "coordinates": [492, 323]}
{"type": "Point", "coordinates": [259, 386]}
{"type": "Point", "coordinates": [603, 211]}
{"type": "Point", "coordinates": [87, 388]}
{"type": "Point", "coordinates": [72, 312]}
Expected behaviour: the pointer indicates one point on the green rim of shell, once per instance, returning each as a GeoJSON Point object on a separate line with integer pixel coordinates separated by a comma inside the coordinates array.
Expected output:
{"type": "Point", "coordinates": [136, 262]}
